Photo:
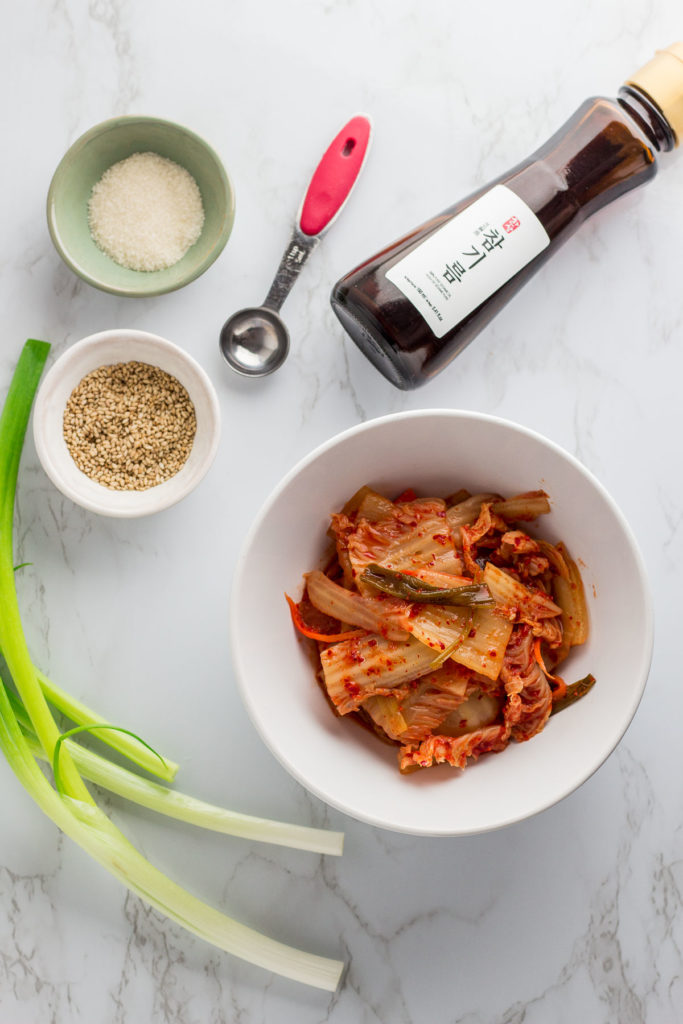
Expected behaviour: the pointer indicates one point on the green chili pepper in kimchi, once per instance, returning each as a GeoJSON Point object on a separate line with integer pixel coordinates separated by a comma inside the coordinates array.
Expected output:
{"type": "Point", "coordinates": [410, 588]}
{"type": "Point", "coordinates": [573, 693]}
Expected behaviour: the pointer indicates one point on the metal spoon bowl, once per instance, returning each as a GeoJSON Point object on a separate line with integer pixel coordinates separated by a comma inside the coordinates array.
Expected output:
{"type": "Point", "coordinates": [254, 342]}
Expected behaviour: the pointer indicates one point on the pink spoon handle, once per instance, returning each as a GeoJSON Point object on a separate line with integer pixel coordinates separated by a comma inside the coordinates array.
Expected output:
{"type": "Point", "coordinates": [335, 176]}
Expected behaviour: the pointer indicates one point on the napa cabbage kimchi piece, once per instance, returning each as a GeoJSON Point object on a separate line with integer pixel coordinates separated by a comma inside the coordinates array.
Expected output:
{"type": "Point", "coordinates": [441, 623]}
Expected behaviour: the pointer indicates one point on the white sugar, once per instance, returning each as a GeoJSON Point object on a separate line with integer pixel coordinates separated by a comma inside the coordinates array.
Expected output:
{"type": "Point", "coordinates": [145, 212]}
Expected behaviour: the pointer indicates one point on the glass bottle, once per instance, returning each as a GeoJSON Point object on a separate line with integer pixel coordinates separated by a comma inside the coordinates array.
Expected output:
{"type": "Point", "coordinates": [414, 306]}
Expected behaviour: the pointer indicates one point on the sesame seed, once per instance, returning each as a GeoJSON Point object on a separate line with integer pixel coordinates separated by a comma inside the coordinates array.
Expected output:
{"type": "Point", "coordinates": [129, 426]}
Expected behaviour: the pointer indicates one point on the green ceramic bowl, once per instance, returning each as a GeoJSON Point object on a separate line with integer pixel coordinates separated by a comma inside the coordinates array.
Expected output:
{"type": "Point", "coordinates": [83, 166]}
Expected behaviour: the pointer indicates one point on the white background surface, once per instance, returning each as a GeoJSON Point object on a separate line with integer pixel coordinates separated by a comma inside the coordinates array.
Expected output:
{"type": "Point", "coordinates": [574, 915]}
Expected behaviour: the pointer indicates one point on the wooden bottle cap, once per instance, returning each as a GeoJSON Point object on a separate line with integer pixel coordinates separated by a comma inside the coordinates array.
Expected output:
{"type": "Point", "coordinates": [661, 79]}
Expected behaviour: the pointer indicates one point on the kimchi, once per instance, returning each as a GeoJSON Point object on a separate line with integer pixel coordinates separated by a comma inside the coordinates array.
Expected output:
{"type": "Point", "coordinates": [441, 623]}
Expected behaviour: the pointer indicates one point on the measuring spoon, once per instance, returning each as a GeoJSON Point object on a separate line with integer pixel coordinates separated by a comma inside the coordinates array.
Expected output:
{"type": "Point", "coordinates": [255, 341]}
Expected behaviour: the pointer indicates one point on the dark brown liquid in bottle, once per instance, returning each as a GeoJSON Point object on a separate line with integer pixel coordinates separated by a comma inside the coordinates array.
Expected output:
{"type": "Point", "coordinates": [607, 148]}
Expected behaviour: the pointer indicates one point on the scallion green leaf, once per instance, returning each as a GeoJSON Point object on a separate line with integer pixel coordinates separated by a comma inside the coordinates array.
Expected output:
{"type": "Point", "coordinates": [56, 771]}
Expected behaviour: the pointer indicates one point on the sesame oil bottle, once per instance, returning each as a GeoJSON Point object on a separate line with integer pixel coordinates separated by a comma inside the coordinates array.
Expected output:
{"type": "Point", "coordinates": [413, 307]}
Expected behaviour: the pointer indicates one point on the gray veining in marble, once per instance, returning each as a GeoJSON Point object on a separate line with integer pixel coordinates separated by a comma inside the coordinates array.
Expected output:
{"type": "Point", "coordinates": [572, 916]}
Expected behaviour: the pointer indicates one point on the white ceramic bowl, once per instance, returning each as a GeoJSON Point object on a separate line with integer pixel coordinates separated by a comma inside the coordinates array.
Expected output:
{"type": "Point", "coordinates": [437, 452]}
{"type": "Point", "coordinates": [120, 346]}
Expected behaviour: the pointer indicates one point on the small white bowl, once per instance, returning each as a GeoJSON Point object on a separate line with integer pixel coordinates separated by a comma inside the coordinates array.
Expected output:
{"type": "Point", "coordinates": [437, 452]}
{"type": "Point", "coordinates": [106, 348]}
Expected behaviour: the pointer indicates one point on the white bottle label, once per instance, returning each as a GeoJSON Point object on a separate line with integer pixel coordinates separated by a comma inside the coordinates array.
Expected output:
{"type": "Point", "coordinates": [469, 258]}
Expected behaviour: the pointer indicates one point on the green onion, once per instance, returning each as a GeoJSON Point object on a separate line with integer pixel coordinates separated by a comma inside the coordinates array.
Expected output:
{"type": "Point", "coordinates": [181, 807]}
{"type": "Point", "coordinates": [56, 770]}
{"type": "Point", "coordinates": [410, 588]}
{"type": "Point", "coordinates": [123, 742]}
{"type": "Point", "coordinates": [74, 810]}
{"type": "Point", "coordinates": [449, 651]}
{"type": "Point", "coordinates": [573, 693]}
{"type": "Point", "coordinates": [13, 424]}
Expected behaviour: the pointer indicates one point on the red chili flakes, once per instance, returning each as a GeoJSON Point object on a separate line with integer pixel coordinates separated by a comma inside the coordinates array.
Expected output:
{"type": "Point", "coordinates": [441, 538]}
{"type": "Point", "coordinates": [493, 653]}
{"type": "Point", "coordinates": [472, 633]}
{"type": "Point", "coordinates": [353, 689]}
{"type": "Point", "coordinates": [407, 495]}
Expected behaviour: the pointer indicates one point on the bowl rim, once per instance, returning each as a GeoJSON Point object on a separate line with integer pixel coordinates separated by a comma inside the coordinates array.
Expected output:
{"type": "Point", "coordinates": [641, 670]}
{"type": "Point", "coordinates": [97, 282]}
{"type": "Point", "coordinates": [101, 341]}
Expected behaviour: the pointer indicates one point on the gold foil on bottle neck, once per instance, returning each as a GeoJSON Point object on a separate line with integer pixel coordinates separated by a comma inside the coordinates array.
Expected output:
{"type": "Point", "coordinates": [661, 79]}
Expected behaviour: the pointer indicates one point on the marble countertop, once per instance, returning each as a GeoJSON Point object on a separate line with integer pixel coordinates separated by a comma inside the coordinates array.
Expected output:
{"type": "Point", "coordinates": [573, 915]}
